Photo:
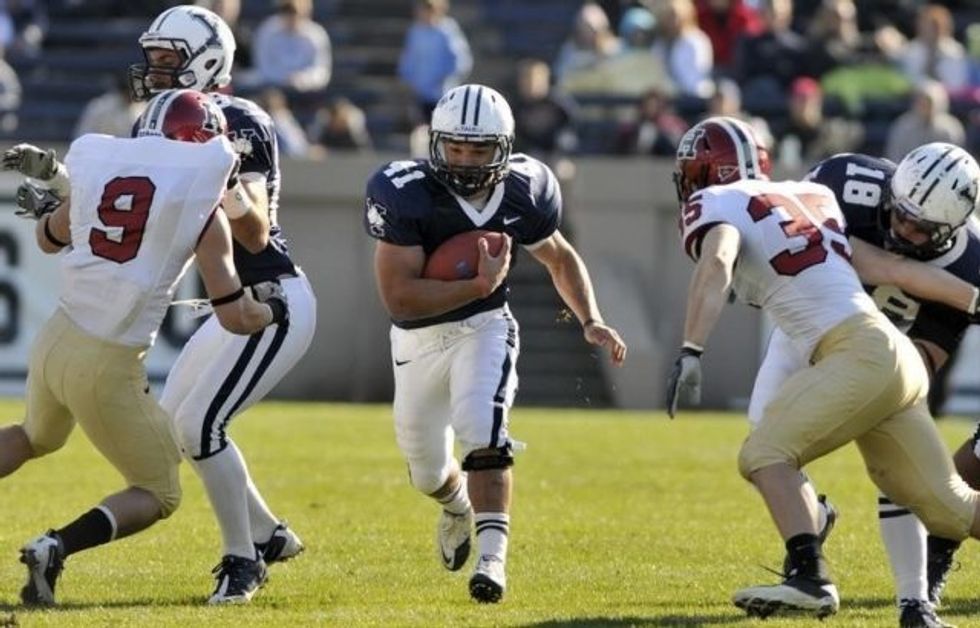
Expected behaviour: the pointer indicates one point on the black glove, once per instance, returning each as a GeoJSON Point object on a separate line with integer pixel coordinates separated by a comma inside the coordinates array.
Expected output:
{"type": "Point", "coordinates": [31, 161]}
{"type": "Point", "coordinates": [35, 200]}
{"type": "Point", "coordinates": [686, 377]}
{"type": "Point", "coordinates": [271, 293]}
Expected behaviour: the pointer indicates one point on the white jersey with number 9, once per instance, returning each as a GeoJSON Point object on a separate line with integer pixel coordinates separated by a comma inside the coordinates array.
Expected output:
{"type": "Point", "coordinates": [138, 209]}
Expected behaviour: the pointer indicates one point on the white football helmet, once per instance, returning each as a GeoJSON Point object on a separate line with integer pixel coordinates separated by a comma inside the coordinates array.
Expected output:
{"type": "Point", "coordinates": [935, 187]}
{"type": "Point", "coordinates": [202, 39]}
{"type": "Point", "coordinates": [477, 114]}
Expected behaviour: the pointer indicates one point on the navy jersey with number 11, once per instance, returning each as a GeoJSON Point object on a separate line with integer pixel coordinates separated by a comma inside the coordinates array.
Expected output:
{"type": "Point", "coordinates": [407, 206]}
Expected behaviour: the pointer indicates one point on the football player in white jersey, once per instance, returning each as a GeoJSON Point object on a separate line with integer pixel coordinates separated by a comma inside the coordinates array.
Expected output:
{"type": "Point", "coordinates": [917, 209]}
{"type": "Point", "coordinates": [219, 375]}
{"type": "Point", "coordinates": [134, 214]}
{"type": "Point", "coordinates": [455, 344]}
{"type": "Point", "coordinates": [781, 247]}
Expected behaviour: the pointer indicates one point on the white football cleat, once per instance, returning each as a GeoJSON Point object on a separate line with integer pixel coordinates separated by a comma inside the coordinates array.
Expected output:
{"type": "Point", "coordinates": [489, 581]}
{"type": "Point", "coordinates": [453, 539]}
{"type": "Point", "coordinates": [281, 546]}
{"type": "Point", "coordinates": [797, 594]}
{"type": "Point", "coordinates": [45, 558]}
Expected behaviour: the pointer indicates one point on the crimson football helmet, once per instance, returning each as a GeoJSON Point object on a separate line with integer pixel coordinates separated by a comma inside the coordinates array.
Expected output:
{"type": "Point", "coordinates": [186, 115]}
{"type": "Point", "coordinates": [716, 151]}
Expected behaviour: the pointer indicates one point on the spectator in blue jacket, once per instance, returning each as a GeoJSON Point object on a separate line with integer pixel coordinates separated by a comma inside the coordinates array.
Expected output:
{"type": "Point", "coordinates": [436, 55]}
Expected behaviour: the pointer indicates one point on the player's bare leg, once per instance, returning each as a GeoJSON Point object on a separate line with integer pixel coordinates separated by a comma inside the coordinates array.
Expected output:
{"type": "Point", "coordinates": [455, 523]}
{"type": "Point", "coordinates": [807, 587]}
{"type": "Point", "coordinates": [941, 551]}
{"type": "Point", "coordinates": [490, 491]}
{"type": "Point", "coordinates": [15, 449]}
{"type": "Point", "coordinates": [119, 515]}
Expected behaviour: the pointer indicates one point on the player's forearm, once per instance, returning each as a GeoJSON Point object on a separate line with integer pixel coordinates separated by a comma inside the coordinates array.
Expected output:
{"type": "Point", "coordinates": [572, 281]}
{"type": "Point", "coordinates": [707, 296]}
{"type": "Point", "coordinates": [928, 282]}
{"type": "Point", "coordinates": [877, 267]}
{"type": "Point", "coordinates": [425, 298]}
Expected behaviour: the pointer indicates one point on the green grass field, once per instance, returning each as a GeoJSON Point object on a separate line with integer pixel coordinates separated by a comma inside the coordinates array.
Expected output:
{"type": "Point", "coordinates": [619, 519]}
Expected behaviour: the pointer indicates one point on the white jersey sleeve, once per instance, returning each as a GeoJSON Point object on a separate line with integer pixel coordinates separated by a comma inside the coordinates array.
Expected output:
{"type": "Point", "coordinates": [794, 259]}
{"type": "Point", "coordinates": [138, 209]}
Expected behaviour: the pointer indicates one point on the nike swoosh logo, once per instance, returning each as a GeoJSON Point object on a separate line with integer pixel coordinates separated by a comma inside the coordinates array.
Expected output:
{"type": "Point", "coordinates": [511, 220]}
{"type": "Point", "coordinates": [38, 194]}
{"type": "Point", "coordinates": [401, 362]}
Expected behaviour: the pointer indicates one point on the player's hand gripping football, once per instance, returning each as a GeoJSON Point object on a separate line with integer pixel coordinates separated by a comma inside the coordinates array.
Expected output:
{"type": "Point", "coordinates": [31, 161]}
{"type": "Point", "coordinates": [684, 379]}
{"type": "Point", "coordinates": [602, 335]}
{"type": "Point", "coordinates": [34, 200]}
{"type": "Point", "coordinates": [271, 293]}
{"type": "Point", "coordinates": [492, 270]}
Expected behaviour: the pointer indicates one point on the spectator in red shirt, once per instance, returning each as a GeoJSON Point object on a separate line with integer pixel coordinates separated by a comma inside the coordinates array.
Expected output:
{"type": "Point", "coordinates": [724, 22]}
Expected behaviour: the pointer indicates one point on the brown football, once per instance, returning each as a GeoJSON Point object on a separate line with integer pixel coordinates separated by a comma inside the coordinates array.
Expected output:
{"type": "Point", "coordinates": [459, 256]}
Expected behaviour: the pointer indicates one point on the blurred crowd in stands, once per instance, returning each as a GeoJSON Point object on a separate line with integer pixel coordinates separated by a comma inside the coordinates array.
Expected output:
{"type": "Point", "coordinates": [815, 76]}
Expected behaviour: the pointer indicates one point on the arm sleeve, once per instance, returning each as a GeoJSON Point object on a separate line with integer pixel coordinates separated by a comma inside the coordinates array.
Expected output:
{"type": "Point", "coordinates": [939, 324]}
{"type": "Point", "coordinates": [548, 207]}
{"type": "Point", "coordinates": [386, 215]}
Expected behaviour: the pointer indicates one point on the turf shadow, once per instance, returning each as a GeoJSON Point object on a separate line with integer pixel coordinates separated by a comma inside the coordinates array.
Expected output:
{"type": "Point", "coordinates": [691, 621]}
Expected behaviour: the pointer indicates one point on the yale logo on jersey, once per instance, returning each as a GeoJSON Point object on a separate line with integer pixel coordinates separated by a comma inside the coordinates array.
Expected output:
{"type": "Point", "coordinates": [376, 213]}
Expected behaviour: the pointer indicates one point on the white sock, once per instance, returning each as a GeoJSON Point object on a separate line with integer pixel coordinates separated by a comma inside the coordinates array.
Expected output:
{"type": "Point", "coordinates": [905, 540]}
{"type": "Point", "coordinates": [261, 520]}
{"type": "Point", "coordinates": [457, 502]}
{"type": "Point", "coordinates": [491, 533]}
{"type": "Point", "coordinates": [225, 478]}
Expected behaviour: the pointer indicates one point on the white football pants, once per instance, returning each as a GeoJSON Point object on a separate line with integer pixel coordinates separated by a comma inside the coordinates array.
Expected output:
{"type": "Point", "coordinates": [219, 374]}
{"type": "Point", "coordinates": [453, 379]}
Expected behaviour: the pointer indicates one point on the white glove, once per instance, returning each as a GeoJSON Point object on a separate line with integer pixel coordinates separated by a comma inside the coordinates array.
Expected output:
{"type": "Point", "coordinates": [31, 161]}
{"type": "Point", "coordinates": [684, 378]}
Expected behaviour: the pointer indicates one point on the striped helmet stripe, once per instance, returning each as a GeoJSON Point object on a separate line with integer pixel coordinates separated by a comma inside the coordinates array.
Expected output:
{"type": "Point", "coordinates": [466, 104]}
{"type": "Point", "coordinates": [157, 113]}
{"type": "Point", "coordinates": [744, 139]}
{"type": "Point", "coordinates": [936, 170]}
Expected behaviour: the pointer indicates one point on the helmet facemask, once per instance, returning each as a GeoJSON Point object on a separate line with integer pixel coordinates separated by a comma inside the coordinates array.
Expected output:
{"type": "Point", "coordinates": [939, 234]}
{"type": "Point", "coordinates": [468, 181]}
{"type": "Point", "coordinates": [934, 190]}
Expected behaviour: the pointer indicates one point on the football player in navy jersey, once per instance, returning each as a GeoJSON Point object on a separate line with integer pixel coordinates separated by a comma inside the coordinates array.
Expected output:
{"type": "Point", "coordinates": [218, 375]}
{"type": "Point", "coordinates": [454, 344]}
{"type": "Point", "coordinates": [915, 210]}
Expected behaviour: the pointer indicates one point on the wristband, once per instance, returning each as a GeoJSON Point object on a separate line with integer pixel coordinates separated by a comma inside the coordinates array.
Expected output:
{"type": "Point", "coordinates": [50, 236]}
{"type": "Point", "coordinates": [591, 321]}
{"type": "Point", "coordinates": [692, 348]}
{"type": "Point", "coordinates": [229, 298]}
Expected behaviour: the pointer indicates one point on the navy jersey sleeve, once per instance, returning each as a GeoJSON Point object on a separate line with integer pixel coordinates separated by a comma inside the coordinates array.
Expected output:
{"type": "Point", "coordinates": [252, 130]}
{"type": "Point", "coordinates": [545, 193]}
{"type": "Point", "coordinates": [388, 209]}
{"type": "Point", "coordinates": [940, 325]}
{"type": "Point", "coordinates": [861, 185]}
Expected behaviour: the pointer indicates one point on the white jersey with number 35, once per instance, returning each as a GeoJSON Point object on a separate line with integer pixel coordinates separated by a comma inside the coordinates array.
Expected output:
{"type": "Point", "coordinates": [138, 209]}
{"type": "Point", "coordinates": [794, 259]}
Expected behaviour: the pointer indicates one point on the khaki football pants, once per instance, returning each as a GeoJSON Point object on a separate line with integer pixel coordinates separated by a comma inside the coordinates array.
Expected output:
{"type": "Point", "coordinates": [74, 376]}
{"type": "Point", "coordinates": [867, 383]}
